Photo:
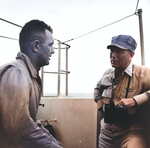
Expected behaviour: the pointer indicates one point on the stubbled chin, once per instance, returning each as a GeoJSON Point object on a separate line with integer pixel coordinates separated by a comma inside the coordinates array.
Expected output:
{"type": "Point", "coordinates": [113, 65]}
{"type": "Point", "coordinates": [47, 63]}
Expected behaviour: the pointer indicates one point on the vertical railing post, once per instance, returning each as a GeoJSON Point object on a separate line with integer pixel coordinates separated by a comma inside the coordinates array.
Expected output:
{"type": "Point", "coordinates": [42, 77]}
{"type": "Point", "coordinates": [141, 36]}
{"type": "Point", "coordinates": [66, 70]}
{"type": "Point", "coordinates": [59, 60]}
{"type": "Point", "coordinates": [59, 72]}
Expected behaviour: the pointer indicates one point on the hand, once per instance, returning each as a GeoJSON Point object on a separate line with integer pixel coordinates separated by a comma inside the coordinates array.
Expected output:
{"type": "Point", "coordinates": [126, 102]}
{"type": "Point", "coordinates": [38, 122]}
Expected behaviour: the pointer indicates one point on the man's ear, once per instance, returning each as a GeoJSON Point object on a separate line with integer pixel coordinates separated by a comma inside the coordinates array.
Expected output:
{"type": "Point", "coordinates": [36, 45]}
{"type": "Point", "coordinates": [132, 54]}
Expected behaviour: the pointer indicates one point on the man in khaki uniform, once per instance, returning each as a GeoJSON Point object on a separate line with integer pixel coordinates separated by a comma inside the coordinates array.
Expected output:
{"type": "Point", "coordinates": [123, 96]}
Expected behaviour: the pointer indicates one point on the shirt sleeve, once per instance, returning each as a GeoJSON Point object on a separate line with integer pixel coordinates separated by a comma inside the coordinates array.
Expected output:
{"type": "Point", "coordinates": [14, 110]}
{"type": "Point", "coordinates": [141, 99]}
{"type": "Point", "coordinates": [145, 87]}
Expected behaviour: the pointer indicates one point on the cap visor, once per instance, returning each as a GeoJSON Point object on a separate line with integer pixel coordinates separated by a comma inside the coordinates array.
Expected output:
{"type": "Point", "coordinates": [114, 45]}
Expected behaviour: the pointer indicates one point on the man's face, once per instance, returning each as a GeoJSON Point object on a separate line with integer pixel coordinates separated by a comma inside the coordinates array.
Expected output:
{"type": "Point", "coordinates": [120, 58]}
{"type": "Point", "coordinates": [46, 49]}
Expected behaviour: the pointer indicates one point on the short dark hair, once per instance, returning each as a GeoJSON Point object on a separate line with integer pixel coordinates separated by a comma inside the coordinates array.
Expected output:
{"type": "Point", "coordinates": [33, 30]}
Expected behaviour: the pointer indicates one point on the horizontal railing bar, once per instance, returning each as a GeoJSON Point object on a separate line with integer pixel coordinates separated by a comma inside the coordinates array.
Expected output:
{"type": "Point", "coordinates": [62, 72]}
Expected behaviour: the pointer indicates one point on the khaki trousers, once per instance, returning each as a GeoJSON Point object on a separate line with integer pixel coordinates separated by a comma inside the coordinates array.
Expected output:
{"type": "Point", "coordinates": [114, 137]}
{"type": "Point", "coordinates": [132, 139]}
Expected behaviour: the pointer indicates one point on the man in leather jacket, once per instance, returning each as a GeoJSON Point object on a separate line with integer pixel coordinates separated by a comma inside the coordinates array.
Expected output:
{"type": "Point", "coordinates": [20, 90]}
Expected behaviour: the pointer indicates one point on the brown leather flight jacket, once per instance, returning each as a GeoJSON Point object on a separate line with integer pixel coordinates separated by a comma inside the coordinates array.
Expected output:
{"type": "Point", "coordinates": [20, 92]}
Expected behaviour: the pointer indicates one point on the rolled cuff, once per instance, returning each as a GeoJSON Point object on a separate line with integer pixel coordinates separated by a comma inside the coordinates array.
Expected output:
{"type": "Point", "coordinates": [99, 104]}
{"type": "Point", "coordinates": [141, 99]}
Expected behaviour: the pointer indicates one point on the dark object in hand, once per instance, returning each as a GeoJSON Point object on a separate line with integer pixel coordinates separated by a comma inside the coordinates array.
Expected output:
{"type": "Point", "coordinates": [116, 115]}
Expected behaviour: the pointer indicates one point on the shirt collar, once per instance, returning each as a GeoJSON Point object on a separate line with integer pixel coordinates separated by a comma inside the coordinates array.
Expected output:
{"type": "Point", "coordinates": [128, 71]}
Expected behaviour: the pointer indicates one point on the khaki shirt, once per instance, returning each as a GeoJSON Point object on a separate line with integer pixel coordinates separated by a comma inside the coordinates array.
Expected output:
{"type": "Point", "coordinates": [139, 88]}
{"type": "Point", "coordinates": [20, 92]}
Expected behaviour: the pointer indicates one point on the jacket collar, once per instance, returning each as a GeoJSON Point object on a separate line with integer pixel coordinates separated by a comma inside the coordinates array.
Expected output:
{"type": "Point", "coordinates": [28, 63]}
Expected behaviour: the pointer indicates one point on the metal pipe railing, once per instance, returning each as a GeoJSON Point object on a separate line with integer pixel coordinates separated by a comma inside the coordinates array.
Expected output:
{"type": "Point", "coordinates": [59, 72]}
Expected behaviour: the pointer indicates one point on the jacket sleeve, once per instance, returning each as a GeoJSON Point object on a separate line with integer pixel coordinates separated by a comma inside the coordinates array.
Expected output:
{"type": "Point", "coordinates": [97, 93]}
{"type": "Point", "coordinates": [104, 83]}
{"type": "Point", "coordinates": [15, 116]}
{"type": "Point", "coordinates": [98, 90]}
